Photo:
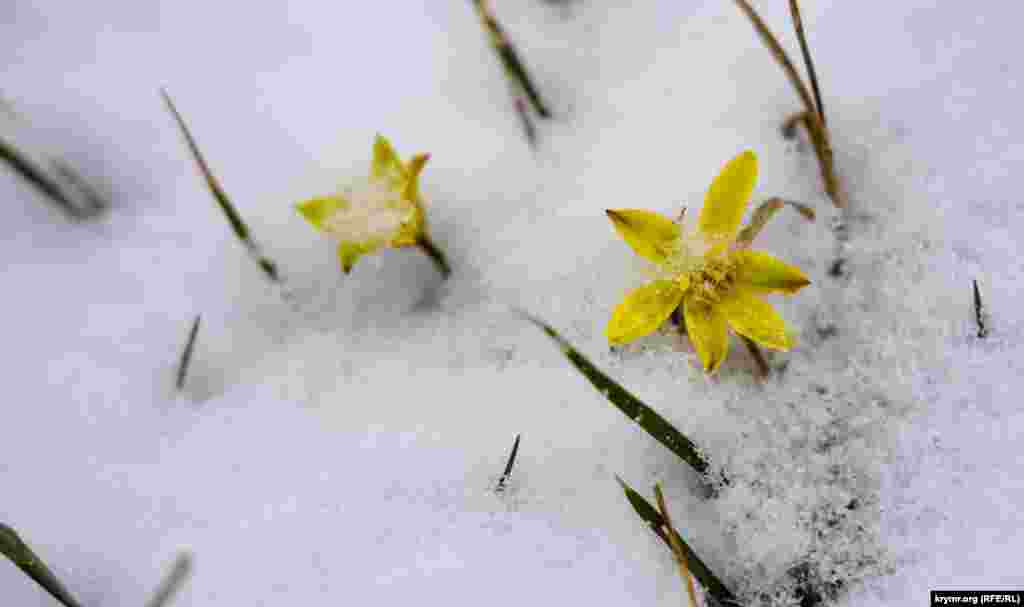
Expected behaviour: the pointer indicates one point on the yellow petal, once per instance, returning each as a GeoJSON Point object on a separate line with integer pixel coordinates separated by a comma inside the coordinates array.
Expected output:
{"type": "Point", "coordinates": [317, 210]}
{"type": "Point", "coordinates": [651, 236]}
{"type": "Point", "coordinates": [754, 318]}
{"type": "Point", "coordinates": [727, 198]}
{"type": "Point", "coordinates": [412, 186]}
{"type": "Point", "coordinates": [386, 164]}
{"type": "Point", "coordinates": [349, 252]}
{"type": "Point", "coordinates": [706, 327]}
{"type": "Point", "coordinates": [766, 274]}
{"type": "Point", "coordinates": [643, 310]}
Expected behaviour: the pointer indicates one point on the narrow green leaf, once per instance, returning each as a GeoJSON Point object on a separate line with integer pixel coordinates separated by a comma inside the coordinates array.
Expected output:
{"type": "Point", "coordinates": [653, 518]}
{"type": "Point", "coordinates": [186, 355]}
{"type": "Point", "coordinates": [648, 419]}
{"type": "Point", "coordinates": [173, 582]}
{"type": "Point", "coordinates": [61, 184]}
{"type": "Point", "coordinates": [508, 466]}
{"type": "Point", "coordinates": [514, 67]}
{"type": "Point", "coordinates": [12, 546]}
{"type": "Point", "coordinates": [238, 225]}
{"type": "Point", "coordinates": [979, 312]}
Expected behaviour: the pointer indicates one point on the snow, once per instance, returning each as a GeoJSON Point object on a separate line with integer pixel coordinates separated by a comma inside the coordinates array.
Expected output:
{"type": "Point", "coordinates": [340, 439]}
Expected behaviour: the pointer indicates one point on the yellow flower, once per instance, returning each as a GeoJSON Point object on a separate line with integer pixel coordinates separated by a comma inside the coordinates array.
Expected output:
{"type": "Point", "coordinates": [707, 269]}
{"type": "Point", "coordinates": [381, 210]}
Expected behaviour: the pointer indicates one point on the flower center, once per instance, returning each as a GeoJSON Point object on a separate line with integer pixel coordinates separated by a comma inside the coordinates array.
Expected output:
{"type": "Point", "coordinates": [712, 281]}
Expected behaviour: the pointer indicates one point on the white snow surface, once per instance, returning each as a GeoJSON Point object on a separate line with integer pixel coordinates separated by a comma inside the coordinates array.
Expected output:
{"type": "Point", "coordinates": [339, 442]}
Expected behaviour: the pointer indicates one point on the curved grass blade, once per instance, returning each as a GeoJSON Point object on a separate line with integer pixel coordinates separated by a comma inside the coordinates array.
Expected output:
{"type": "Point", "coordinates": [238, 225]}
{"type": "Point", "coordinates": [648, 419]}
{"type": "Point", "coordinates": [12, 546]}
{"type": "Point", "coordinates": [177, 577]}
{"type": "Point", "coordinates": [763, 213]}
{"type": "Point", "coordinates": [650, 515]}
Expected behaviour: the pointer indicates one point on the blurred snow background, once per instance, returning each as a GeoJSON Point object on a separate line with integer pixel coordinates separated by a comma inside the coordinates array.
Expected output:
{"type": "Point", "coordinates": [346, 447]}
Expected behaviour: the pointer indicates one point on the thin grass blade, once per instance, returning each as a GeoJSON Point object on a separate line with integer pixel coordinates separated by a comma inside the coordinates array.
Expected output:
{"type": "Point", "coordinates": [186, 355]}
{"type": "Point", "coordinates": [529, 129]}
{"type": "Point", "coordinates": [12, 546]}
{"type": "Point", "coordinates": [772, 42]}
{"type": "Point", "coordinates": [650, 515]}
{"type": "Point", "coordinates": [238, 225]}
{"type": "Point", "coordinates": [513, 65]}
{"type": "Point", "coordinates": [61, 184]}
{"type": "Point", "coordinates": [798, 24]}
{"type": "Point", "coordinates": [979, 312]}
{"type": "Point", "coordinates": [677, 548]}
{"type": "Point", "coordinates": [648, 419]}
{"type": "Point", "coordinates": [811, 118]}
{"type": "Point", "coordinates": [179, 574]}
{"type": "Point", "coordinates": [508, 466]}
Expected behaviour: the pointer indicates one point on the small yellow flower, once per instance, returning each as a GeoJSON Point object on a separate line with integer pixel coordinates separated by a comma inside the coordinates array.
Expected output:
{"type": "Point", "coordinates": [708, 271]}
{"type": "Point", "coordinates": [378, 211]}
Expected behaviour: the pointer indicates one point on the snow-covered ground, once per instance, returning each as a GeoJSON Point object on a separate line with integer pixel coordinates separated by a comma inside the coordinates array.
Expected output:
{"type": "Point", "coordinates": [343, 444]}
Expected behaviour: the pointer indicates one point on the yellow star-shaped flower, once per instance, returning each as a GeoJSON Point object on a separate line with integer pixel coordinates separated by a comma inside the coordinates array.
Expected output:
{"type": "Point", "coordinates": [381, 210]}
{"type": "Point", "coordinates": [707, 269]}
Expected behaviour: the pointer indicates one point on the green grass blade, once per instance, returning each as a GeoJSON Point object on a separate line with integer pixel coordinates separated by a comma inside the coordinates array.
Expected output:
{"type": "Point", "coordinates": [653, 518]}
{"type": "Point", "coordinates": [508, 466]}
{"type": "Point", "coordinates": [648, 419]}
{"type": "Point", "coordinates": [186, 355]}
{"type": "Point", "coordinates": [979, 312]}
{"type": "Point", "coordinates": [238, 225]}
{"type": "Point", "coordinates": [179, 574]}
{"type": "Point", "coordinates": [514, 67]}
{"type": "Point", "coordinates": [12, 546]}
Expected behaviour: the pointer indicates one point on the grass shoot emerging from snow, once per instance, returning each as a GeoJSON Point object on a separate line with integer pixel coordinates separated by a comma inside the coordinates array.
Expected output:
{"type": "Point", "coordinates": [176, 578]}
{"type": "Point", "coordinates": [664, 530]}
{"type": "Point", "coordinates": [12, 546]}
{"type": "Point", "coordinates": [238, 225]}
{"type": "Point", "coordinates": [61, 184]}
{"type": "Point", "coordinates": [979, 312]}
{"type": "Point", "coordinates": [508, 466]}
{"type": "Point", "coordinates": [524, 91]}
{"type": "Point", "coordinates": [15, 549]}
{"type": "Point", "coordinates": [186, 355]}
{"type": "Point", "coordinates": [813, 115]}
